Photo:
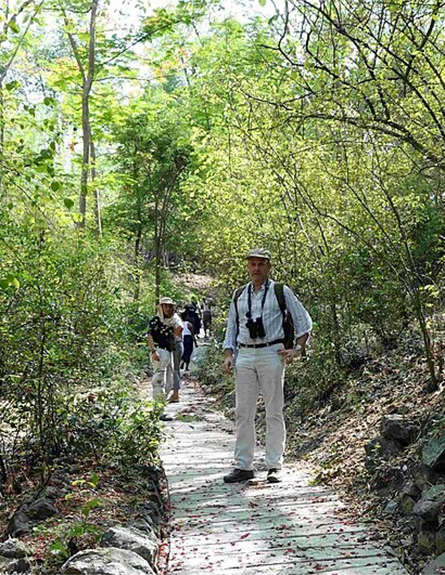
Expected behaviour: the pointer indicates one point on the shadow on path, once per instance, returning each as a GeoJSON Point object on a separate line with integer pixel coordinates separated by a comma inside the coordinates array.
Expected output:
{"type": "Point", "coordinates": [292, 528]}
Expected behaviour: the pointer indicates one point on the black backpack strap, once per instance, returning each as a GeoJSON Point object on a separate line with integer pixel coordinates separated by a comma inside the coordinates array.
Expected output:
{"type": "Point", "coordinates": [236, 297]}
{"type": "Point", "coordinates": [288, 324]}
{"type": "Point", "coordinates": [279, 292]}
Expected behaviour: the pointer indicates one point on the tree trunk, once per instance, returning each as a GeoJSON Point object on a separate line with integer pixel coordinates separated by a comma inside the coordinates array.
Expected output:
{"type": "Point", "coordinates": [137, 251]}
{"type": "Point", "coordinates": [87, 83]}
{"type": "Point", "coordinates": [85, 155]}
{"type": "Point", "coordinates": [96, 191]}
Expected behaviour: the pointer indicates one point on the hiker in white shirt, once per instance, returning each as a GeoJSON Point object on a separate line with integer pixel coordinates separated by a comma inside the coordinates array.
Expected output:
{"type": "Point", "coordinates": [163, 331]}
{"type": "Point", "coordinates": [255, 336]}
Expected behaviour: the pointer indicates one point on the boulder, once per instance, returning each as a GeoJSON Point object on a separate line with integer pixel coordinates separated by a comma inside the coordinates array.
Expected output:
{"type": "Point", "coordinates": [429, 506]}
{"type": "Point", "coordinates": [426, 540]}
{"type": "Point", "coordinates": [18, 566]}
{"type": "Point", "coordinates": [399, 428]}
{"type": "Point", "coordinates": [107, 561]}
{"type": "Point", "coordinates": [435, 567]}
{"type": "Point", "coordinates": [423, 476]}
{"type": "Point", "coordinates": [433, 453]}
{"type": "Point", "coordinates": [440, 540]}
{"type": "Point", "coordinates": [143, 543]}
{"type": "Point", "coordinates": [146, 525]}
{"type": "Point", "coordinates": [19, 524]}
{"type": "Point", "coordinates": [41, 509]}
{"type": "Point", "coordinates": [13, 549]}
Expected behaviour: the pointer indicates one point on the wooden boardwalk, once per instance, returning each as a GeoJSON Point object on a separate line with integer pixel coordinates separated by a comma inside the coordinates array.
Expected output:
{"type": "Point", "coordinates": [292, 528]}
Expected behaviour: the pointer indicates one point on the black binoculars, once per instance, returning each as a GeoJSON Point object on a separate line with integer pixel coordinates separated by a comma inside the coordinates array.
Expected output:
{"type": "Point", "coordinates": [256, 328]}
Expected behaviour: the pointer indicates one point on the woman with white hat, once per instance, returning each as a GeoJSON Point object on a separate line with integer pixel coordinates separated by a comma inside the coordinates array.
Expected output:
{"type": "Point", "coordinates": [163, 328]}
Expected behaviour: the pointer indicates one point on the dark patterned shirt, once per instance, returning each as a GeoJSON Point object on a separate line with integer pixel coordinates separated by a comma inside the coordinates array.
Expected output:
{"type": "Point", "coordinates": [162, 334]}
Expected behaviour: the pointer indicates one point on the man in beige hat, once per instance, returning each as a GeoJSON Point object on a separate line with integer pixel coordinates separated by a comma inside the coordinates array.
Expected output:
{"type": "Point", "coordinates": [258, 344]}
{"type": "Point", "coordinates": [163, 329]}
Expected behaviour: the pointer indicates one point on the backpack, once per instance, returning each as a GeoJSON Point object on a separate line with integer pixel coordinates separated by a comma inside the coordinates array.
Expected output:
{"type": "Point", "coordinates": [288, 324]}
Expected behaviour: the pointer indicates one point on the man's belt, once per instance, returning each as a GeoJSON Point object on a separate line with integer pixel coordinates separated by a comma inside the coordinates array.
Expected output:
{"type": "Point", "coordinates": [258, 345]}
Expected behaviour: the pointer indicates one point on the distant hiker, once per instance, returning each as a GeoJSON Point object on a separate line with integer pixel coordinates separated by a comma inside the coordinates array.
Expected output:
{"type": "Point", "coordinates": [259, 330]}
{"type": "Point", "coordinates": [207, 315]}
{"type": "Point", "coordinates": [188, 338]}
{"type": "Point", "coordinates": [163, 328]}
{"type": "Point", "coordinates": [193, 313]}
{"type": "Point", "coordinates": [177, 356]}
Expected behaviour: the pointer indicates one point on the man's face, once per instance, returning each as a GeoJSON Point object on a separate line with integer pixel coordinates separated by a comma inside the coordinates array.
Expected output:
{"type": "Point", "coordinates": [167, 309]}
{"type": "Point", "coordinates": [259, 269]}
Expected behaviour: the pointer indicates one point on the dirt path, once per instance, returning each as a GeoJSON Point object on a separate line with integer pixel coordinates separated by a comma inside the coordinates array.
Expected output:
{"type": "Point", "coordinates": [292, 528]}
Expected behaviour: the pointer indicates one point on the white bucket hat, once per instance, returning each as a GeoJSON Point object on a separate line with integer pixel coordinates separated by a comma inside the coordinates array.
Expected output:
{"type": "Point", "coordinates": [166, 300]}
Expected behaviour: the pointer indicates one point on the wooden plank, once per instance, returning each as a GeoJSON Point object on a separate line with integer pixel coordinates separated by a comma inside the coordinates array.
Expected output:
{"type": "Point", "coordinates": [254, 528]}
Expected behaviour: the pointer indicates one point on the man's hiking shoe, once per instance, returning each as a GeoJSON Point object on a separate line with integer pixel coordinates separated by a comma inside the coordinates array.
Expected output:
{"type": "Point", "coordinates": [238, 475]}
{"type": "Point", "coordinates": [165, 417]}
{"type": "Point", "coordinates": [274, 476]}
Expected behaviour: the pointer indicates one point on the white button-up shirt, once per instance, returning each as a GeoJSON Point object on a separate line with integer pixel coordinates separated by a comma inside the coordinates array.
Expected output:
{"type": "Point", "coordinates": [271, 314]}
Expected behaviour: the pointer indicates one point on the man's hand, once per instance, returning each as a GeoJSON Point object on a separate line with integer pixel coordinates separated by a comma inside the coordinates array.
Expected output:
{"type": "Point", "coordinates": [229, 363]}
{"type": "Point", "coordinates": [155, 356]}
{"type": "Point", "coordinates": [287, 355]}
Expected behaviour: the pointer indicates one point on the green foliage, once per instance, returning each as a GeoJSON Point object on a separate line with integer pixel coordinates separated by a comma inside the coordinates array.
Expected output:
{"type": "Point", "coordinates": [110, 424]}
{"type": "Point", "coordinates": [65, 328]}
{"type": "Point", "coordinates": [324, 144]}
{"type": "Point", "coordinates": [74, 534]}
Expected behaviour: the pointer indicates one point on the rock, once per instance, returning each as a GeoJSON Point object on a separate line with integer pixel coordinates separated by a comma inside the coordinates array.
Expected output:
{"type": "Point", "coordinates": [427, 510]}
{"type": "Point", "coordinates": [440, 540]}
{"type": "Point", "coordinates": [399, 428]}
{"type": "Point", "coordinates": [426, 540]}
{"type": "Point", "coordinates": [429, 506]}
{"type": "Point", "coordinates": [423, 477]}
{"type": "Point", "coordinates": [18, 566]}
{"type": "Point", "coordinates": [433, 453]}
{"type": "Point", "coordinates": [435, 567]}
{"type": "Point", "coordinates": [14, 566]}
{"type": "Point", "coordinates": [41, 509]}
{"type": "Point", "coordinates": [52, 492]}
{"type": "Point", "coordinates": [391, 507]}
{"type": "Point", "coordinates": [411, 489]}
{"type": "Point", "coordinates": [144, 544]}
{"type": "Point", "coordinates": [146, 525]}
{"type": "Point", "coordinates": [107, 561]}
{"type": "Point", "coordinates": [19, 524]}
{"type": "Point", "coordinates": [152, 509]}
{"type": "Point", "coordinates": [407, 504]}
{"type": "Point", "coordinates": [153, 521]}
{"type": "Point", "coordinates": [381, 448]}
{"type": "Point", "coordinates": [13, 549]}
{"type": "Point", "coordinates": [156, 498]}
{"type": "Point", "coordinates": [389, 479]}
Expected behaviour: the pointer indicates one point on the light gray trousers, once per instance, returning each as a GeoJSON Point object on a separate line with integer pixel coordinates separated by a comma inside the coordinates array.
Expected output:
{"type": "Point", "coordinates": [259, 370]}
{"type": "Point", "coordinates": [162, 380]}
{"type": "Point", "coordinates": [177, 354]}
